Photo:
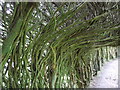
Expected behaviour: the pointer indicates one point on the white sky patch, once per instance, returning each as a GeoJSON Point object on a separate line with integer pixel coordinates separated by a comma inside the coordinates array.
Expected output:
{"type": "Point", "coordinates": [8, 11]}
{"type": "Point", "coordinates": [8, 5]}
{"type": "Point", "coordinates": [1, 1]}
{"type": "Point", "coordinates": [1, 27]}
{"type": "Point", "coordinates": [0, 8]}
{"type": "Point", "coordinates": [22, 62]}
{"type": "Point", "coordinates": [18, 82]}
{"type": "Point", "coordinates": [45, 23]}
{"type": "Point", "coordinates": [28, 68]}
{"type": "Point", "coordinates": [6, 64]}
{"type": "Point", "coordinates": [48, 43]}
{"type": "Point", "coordinates": [45, 51]}
{"type": "Point", "coordinates": [13, 64]}
{"type": "Point", "coordinates": [6, 74]}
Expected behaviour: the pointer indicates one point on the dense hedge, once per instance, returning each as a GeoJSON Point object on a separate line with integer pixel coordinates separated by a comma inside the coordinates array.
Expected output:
{"type": "Point", "coordinates": [56, 45]}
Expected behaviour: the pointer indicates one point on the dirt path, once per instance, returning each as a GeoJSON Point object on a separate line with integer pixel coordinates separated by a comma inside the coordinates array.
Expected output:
{"type": "Point", "coordinates": [107, 77]}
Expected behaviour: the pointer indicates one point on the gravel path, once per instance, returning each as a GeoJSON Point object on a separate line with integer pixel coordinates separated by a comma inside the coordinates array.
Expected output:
{"type": "Point", "coordinates": [107, 77]}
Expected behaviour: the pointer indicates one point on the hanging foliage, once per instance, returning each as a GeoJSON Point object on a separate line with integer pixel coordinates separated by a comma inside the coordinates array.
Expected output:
{"type": "Point", "coordinates": [57, 45]}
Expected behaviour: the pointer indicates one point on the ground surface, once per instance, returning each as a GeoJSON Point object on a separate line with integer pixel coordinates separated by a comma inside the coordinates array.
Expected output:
{"type": "Point", "coordinates": [107, 77]}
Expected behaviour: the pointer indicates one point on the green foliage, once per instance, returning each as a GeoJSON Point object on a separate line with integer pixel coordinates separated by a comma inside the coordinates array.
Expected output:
{"type": "Point", "coordinates": [57, 45]}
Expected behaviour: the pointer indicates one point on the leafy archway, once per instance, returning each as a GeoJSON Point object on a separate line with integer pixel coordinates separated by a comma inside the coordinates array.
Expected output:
{"type": "Point", "coordinates": [57, 45]}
